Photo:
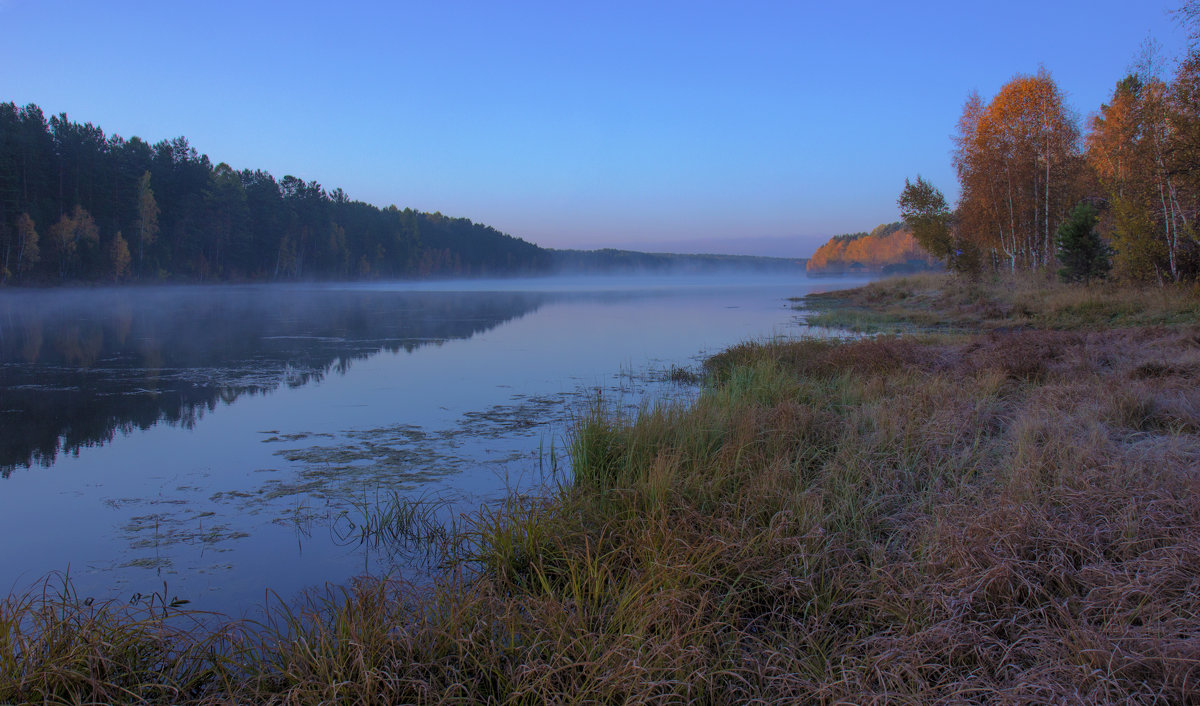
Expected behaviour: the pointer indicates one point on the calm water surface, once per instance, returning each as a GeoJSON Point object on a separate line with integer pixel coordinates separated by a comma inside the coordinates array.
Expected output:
{"type": "Point", "coordinates": [224, 440]}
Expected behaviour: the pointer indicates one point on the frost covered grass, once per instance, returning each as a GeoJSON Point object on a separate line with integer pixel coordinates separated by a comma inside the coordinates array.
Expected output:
{"type": "Point", "coordinates": [941, 302]}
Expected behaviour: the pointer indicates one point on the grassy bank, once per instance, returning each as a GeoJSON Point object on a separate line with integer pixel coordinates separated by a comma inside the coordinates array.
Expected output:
{"type": "Point", "coordinates": [1005, 516]}
{"type": "Point", "coordinates": [940, 303]}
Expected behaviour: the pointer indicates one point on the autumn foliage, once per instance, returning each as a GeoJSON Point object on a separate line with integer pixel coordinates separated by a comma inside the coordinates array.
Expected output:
{"type": "Point", "coordinates": [889, 247]}
{"type": "Point", "coordinates": [1144, 147]}
{"type": "Point", "coordinates": [1023, 164]}
{"type": "Point", "coordinates": [1018, 159]}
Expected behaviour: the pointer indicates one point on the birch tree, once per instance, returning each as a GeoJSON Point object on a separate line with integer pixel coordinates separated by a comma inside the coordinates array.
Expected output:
{"type": "Point", "coordinates": [1015, 158]}
{"type": "Point", "coordinates": [1143, 148]}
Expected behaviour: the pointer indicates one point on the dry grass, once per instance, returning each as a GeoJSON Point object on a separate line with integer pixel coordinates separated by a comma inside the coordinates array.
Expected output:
{"type": "Point", "coordinates": [1012, 517]}
{"type": "Point", "coordinates": [943, 302]}
{"type": "Point", "coordinates": [55, 648]}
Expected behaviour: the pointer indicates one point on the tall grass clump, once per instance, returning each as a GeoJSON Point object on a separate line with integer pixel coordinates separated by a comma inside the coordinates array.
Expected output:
{"type": "Point", "coordinates": [58, 648]}
{"type": "Point", "coordinates": [895, 519]}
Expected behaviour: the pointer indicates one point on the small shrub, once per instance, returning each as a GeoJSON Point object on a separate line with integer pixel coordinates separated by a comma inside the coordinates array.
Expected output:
{"type": "Point", "coordinates": [1083, 253]}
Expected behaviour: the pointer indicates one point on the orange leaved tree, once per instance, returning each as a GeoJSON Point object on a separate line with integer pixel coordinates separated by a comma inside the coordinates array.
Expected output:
{"type": "Point", "coordinates": [1018, 161]}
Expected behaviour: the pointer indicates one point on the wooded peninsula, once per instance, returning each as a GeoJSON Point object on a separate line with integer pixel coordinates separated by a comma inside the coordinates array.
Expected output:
{"type": "Point", "coordinates": [888, 249]}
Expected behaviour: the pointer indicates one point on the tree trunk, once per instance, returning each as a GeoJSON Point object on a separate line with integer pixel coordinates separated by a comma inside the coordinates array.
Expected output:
{"type": "Point", "coordinates": [1168, 223]}
{"type": "Point", "coordinates": [1046, 214]}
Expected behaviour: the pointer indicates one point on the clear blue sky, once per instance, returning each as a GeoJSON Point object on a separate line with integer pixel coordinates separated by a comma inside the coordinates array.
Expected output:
{"type": "Point", "coordinates": [747, 127]}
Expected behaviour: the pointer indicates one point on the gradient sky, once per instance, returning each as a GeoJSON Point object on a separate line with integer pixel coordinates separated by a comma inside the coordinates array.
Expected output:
{"type": "Point", "coordinates": [747, 127]}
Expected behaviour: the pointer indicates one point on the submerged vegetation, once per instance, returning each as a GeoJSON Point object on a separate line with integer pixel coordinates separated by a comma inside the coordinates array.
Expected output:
{"type": "Point", "coordinates": [1007, 514]}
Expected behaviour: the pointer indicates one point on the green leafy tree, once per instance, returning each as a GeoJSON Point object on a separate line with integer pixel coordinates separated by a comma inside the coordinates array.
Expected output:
{"type": "Point", "coordinates": [925, 212]}
{"type": "Point", "coordinates": [1083, 254]}
{"type": "Point", "coordinates": [81, 187]}
{"type": "Point", "coordinates": [1139, 254]}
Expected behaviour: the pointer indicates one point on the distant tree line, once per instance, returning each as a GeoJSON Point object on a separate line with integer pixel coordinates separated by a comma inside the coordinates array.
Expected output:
{"type": "Point", "coordinates": [880, 231]}
{"type": "Point", "coordinates": [888, 249]}
{"type": "Point", "coordinates": [79, 206]}
{"type": "Point", "coordinates": [1024, 166]}
{"type": "Point", "coordinates": [609, 260]}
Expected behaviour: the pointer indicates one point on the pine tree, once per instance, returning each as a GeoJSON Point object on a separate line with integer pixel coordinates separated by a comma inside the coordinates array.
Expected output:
{"type": "Point", "coordinates": [1083, 254]}
{"type": "Point", "coordinates": [147, 217]}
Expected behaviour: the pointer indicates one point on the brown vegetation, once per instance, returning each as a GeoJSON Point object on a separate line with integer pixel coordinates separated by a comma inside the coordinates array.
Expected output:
{"type": "Point", "coordinates": [934, 303]}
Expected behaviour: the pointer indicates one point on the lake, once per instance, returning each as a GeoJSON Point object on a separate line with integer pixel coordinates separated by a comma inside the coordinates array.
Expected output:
{"type": "Point", "coordinates": [213, 443]}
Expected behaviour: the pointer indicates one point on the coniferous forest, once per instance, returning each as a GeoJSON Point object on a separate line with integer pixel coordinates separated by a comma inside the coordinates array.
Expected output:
{"type": "Point", "coordinates": [78, 206]}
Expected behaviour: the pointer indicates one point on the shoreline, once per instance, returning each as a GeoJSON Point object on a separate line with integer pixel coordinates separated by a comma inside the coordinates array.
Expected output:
{"type": "Point", "coordinates": [1005, 511]}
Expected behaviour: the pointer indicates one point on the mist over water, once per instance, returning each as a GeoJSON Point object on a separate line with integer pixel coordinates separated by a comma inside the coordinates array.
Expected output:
{"type": "Point", "coordinates": [222, 439]}
{"type": "Point", "coordinates": [81, 365]}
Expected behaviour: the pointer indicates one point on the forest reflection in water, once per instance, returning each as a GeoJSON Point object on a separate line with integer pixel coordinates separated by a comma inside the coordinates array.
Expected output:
{"type": "Point", "coordinates": [226, 440]}
{"type": "Point", "coordinates": [77, 367]}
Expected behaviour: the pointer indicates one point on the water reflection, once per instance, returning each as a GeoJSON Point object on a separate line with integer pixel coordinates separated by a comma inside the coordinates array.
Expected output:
{"type": "Point", "coordinates": [381, 398]}
{"type": "Point", "coordinates": [79, 367]}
